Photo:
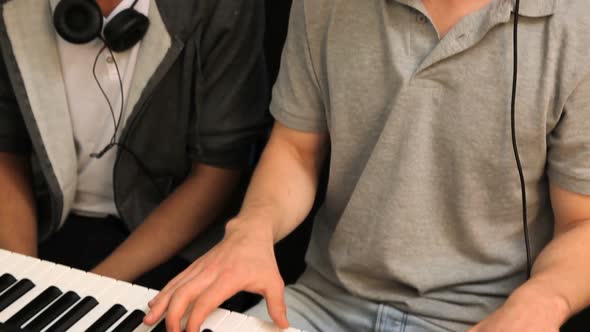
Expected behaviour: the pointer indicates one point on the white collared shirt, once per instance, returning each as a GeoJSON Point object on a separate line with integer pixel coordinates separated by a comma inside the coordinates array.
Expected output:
{"type": "Point", "coordinates": [92, 121]}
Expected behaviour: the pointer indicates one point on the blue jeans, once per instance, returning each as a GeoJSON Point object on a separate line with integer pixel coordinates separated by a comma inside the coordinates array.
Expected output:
{"type": "Point", "coordinates": [316, 305]}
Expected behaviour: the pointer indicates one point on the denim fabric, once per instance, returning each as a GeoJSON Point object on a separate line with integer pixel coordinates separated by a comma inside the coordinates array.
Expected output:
{"type": "Point", "coordinates": [316, 305]}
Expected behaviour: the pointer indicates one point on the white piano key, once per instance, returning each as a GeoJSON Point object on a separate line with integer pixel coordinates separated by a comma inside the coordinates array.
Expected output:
{"type": "Point", "coordinates": [68, 281]}
{"type": "Point", "coordinates": [3, 256]}
{"type": "Point", "coordinates": [144, 307]}
{"type": "Point", "coordinates": [42, 277]}
{"type": "Point", "coordinates": [214, 319]}
{"type": "Point", "coordinates": [266, 326]}
{"type": "Point", "coordinates": [135, 299]}
{"type": "Point", "coordinates": [18, 265]}
{"type": "Point", "coordinates": [98, 287]}
{"type": "Point", "coordinates": [19, 268]}
{"type": "Point", "coordinates": [230, 322]}
{"type": "Point", "coordinates": [250, 324]}
{"type": "Point", "coordinates": [291, 329]}
{"type": "Point", "coordinates": [74, 280]}
{"type": "Point", "coordinates": [109, 292]}
{"type": "Point", "coordinates": [85, 286]}
{"type": "Point", "coordinates": [115, 291]}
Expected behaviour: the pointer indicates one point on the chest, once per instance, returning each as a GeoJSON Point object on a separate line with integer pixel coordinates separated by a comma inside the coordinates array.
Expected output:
{"type": "Point", "coordinates": [388, 68]}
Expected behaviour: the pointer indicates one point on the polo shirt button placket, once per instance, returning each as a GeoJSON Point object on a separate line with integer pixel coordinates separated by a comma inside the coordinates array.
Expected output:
{"type": "Point", "coordinates": [111, 68]}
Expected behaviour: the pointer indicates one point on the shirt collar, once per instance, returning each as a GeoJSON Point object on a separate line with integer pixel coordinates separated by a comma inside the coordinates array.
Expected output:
{"type": "Point", "coordinates": [528, 8]}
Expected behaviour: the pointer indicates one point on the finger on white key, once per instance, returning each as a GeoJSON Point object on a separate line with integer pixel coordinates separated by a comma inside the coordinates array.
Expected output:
{"type": "Point", "coordinates": [266, 326]}
{"type": "Point", "coordinates": [144, 307]}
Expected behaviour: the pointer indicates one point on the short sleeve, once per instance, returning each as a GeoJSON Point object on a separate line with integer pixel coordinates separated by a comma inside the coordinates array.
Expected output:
{"type": "Point", "coordinates": [297, 99]}
{"type": "Point", "coordinates": [233, 91]}
{"type": "Point", "coordinates": [569, 143]}
{"type": "Point", "coordinates": [13, 133]}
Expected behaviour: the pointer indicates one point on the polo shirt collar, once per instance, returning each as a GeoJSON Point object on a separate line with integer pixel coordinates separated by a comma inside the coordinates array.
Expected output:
{"type": "Point", "coordinates": [528, 8]}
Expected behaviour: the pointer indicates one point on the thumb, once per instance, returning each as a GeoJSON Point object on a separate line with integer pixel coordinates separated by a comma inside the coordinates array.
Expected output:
{"type": "Point", "coordinates": [275, 301]}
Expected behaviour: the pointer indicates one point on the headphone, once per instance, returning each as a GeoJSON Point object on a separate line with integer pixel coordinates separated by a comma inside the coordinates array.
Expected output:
{"type": "Point", "coordinates": [80, 21]}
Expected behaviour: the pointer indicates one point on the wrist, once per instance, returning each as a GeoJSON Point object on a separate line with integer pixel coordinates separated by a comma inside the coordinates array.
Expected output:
{"type": "Point", "coordinates": [541, 294]}
{"type": "Point", "coordinates": [258, 225]}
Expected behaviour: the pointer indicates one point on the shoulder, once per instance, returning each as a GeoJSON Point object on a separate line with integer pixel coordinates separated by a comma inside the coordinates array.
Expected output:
{"type": "Point", "coordinates": [570, 33]}
{"type": "Point", "coordinates": [570, 19]}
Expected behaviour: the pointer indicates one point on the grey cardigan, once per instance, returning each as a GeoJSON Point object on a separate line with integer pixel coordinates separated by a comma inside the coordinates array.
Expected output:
{"type": "Point", "coordinates": [199, 93]}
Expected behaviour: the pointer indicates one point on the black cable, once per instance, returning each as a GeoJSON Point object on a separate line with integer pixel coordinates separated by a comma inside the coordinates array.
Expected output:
{"type": "Point", "coordinates": [117, 122]}
{"type": "Point", "coordinates": [121, 91]}
{"type": "Point", "coordinates": [515, 145]}
{"type": "Point", "coordinates": [115, 125]}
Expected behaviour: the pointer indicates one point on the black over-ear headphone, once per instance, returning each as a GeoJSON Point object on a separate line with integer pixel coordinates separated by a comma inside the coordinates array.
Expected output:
{"type": "Point", "coordinates": [80, 21]}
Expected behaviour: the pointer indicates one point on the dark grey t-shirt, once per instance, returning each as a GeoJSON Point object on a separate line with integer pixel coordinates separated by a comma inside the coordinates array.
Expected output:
{"type": "Point", "coordinates": [423, 208]}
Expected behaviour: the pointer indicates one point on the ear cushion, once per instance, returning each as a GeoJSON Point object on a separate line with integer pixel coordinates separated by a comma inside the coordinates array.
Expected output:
{"type": "Point", "coordinates": [78, 21]}
{"type": "Point", "coordinates": [125, 30]}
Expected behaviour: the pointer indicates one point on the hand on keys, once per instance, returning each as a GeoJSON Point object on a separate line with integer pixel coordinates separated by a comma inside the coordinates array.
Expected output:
{"type": "Point", "coordinates": [243, 260]}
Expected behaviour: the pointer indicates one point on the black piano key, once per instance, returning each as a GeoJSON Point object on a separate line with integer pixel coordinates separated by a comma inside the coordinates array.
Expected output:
{"type": "Point", "coordinates": [109, 318]}
{"type": "Point", "coordinates": [11, 328]}
{"type": "Point", "coordinates": [53, 311]}
{"type": "Point", "coordinates": [160, 327]}
{"type": "Point", "coordinates": [6, 280]}
{"type": "Point", "coordinates": [35, 306]}
{"type": "Point", "coordinates": [74, 315]}
{"type": "Point", "coordinates": [15, 292]}
{"type": "Point", "coordinates": [130, 322]}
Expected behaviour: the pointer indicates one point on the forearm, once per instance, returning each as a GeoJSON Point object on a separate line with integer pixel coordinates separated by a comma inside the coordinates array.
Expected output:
{"type": "Point", "coordinates": [561, 272]}
{"type": "Point", "coordinates": [283, 188]}
{"type": "Point", "coordinates": [18, 223]}
{"type": "Point", "coordinates": [177, 221]}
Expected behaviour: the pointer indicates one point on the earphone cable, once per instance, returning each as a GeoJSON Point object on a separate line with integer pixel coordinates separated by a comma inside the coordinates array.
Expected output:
{"type": "Point", "coordinates": [515, 144]}
{"type": "Point", "coordinates": [115, 124]}
{"type": "Point", "coordinates": [122, 111]}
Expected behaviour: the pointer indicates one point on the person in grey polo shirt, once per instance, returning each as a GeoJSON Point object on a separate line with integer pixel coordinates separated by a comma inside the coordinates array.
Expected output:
{"type": "Point", "coordinates": [421, 229]}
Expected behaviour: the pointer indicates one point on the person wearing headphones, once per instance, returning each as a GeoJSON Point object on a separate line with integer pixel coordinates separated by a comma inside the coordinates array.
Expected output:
{"type": "Point", "coordinates": [422, 226]}
{"type": "Point", "coordinates": [125, 127]}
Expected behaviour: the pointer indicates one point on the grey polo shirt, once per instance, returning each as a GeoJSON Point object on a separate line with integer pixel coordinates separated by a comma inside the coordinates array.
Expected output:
{"type": "Point", "coordinates": [423, 206]}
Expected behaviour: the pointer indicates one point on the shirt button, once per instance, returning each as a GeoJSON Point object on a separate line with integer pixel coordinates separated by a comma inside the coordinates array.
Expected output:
{"type": "Point", "coordinates": [421, 18]}
{"type": "Point", "coordinates": [110, 59]}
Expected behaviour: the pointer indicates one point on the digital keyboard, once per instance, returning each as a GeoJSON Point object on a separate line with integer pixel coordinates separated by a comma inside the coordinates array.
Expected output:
{"type": "Point", "coordinates": [40, 296]}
